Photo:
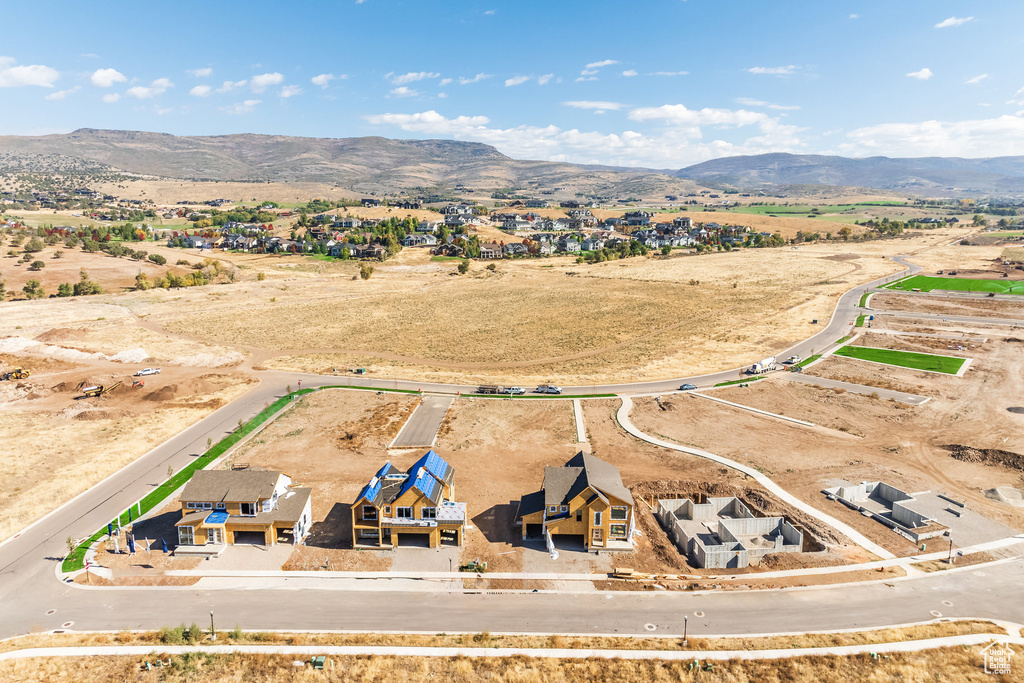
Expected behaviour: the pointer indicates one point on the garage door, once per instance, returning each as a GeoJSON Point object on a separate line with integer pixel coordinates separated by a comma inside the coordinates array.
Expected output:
{"type": "Point", "coordinates": [250, 538]}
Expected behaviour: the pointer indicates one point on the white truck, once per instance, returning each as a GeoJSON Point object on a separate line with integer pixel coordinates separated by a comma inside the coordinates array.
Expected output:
{"type": "Point", "coordinates": [762, 367]}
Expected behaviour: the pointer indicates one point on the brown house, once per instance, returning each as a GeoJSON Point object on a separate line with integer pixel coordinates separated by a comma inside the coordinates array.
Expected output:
{"type": "Point", "coordinates": [585, 498]}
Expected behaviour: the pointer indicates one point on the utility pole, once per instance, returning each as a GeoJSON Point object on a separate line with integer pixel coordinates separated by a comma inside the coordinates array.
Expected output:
{"type": "Point", "coordinates": [213, 633]}
{"type": "Point", "coordinates": [686, 621]}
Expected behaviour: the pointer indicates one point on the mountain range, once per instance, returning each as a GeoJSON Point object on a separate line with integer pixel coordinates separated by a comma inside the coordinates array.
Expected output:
{"type": "Point", "coordinates": [378, 164]}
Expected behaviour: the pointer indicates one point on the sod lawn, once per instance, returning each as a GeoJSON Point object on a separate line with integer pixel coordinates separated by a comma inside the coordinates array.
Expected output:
{"type": "Point", "coordinates": [926, 283]}
{"type": "Point", "coordinates": [905, 359]}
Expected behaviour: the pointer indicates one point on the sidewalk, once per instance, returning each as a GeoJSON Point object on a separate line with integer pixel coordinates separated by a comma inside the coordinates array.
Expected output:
{"type": "Point", "coordinates": [490, 652]}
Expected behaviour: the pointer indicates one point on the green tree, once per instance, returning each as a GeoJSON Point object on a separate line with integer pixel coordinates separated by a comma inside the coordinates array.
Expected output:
{"type": "Point", "coordinates": [33, 290]}
{"type": "Point", "coordinates": [34, 245]}
{"type": "Point", "coordinates": [64, 289]}
{"type": "Point", "coordinates": [142, 282]}
{"type": "Point", "coordinates": [666, 250]}
{"type": "Point", "coordinates": [158, 259]}
{"type": "Point", "coordinates": [85, 286]}
{"type": "Point", "coordinates": [37, 265]}
{"type": "Point", "coordinates": [463, 266]}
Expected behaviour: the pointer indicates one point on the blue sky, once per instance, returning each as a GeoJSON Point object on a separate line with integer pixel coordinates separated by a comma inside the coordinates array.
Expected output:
{"type": "Point", "coordinates": [661, 84]}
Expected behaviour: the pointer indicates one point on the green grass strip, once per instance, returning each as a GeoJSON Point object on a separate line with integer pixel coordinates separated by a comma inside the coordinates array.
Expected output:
{"type": "Point", "coordinates": [927, 283]}
{"type": "Point", "coordinates": [393, 391]}
{"type": "Point", "coordinates": [76, 559]}
{"type": "Point", "coordinates": [860, 321]}
{"type": "Point", "coordinates": [808, 361]}
{"type": "Point", "coordinates": [738, 381]}
{"type": "Point", "coordinates": [844, 339]}
{"type": "Point", "coordinates": [864, 299]}
{"type": "Point", "coordinates": [949, 365]}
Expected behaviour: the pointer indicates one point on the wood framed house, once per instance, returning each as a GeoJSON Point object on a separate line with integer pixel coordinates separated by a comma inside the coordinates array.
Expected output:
{"type": "Point", "coordinates": [252, 506]}
{"type": "Point", "coordinates": [416, 503]}
{"type": "Point", "coordinates": [585, 499]}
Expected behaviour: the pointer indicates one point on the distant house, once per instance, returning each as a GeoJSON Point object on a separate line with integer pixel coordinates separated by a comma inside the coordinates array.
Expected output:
{"type": "Point", "coordinates": [546, 249]}
{"type": "Point", "coordinates": [491, 250]}
{"type": "Point", "coordinates": [417, 502]}
{"type": "Point", "coordinates": [427, 226]}
{"type": "Point", "coordinates": [457, 210]}
{"type": "Point", "coordinates": [419, 241]}
{"type": "Point", "coordinates": [449, 249]}
{"type": "Point", "coordinates": [517, 223]}
{"type": "Point", "coordinates": [225, 507]}
{"type": "Point", "coordinates": [348, 223]}
{"type": "Point", "coordinates": [568, 245]}
{"type": "Point", "coordinates": [370, 202]}
{"type": "Point", "coordinates": [515, 249]}
{"type": "Point", "coordinates": [585, 498]}
{"type": "Point", "coordinates": [537, 203]}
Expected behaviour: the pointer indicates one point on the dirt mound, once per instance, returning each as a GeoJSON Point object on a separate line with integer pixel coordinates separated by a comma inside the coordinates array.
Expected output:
{"type": "Point", "coordinates": [167, 393]}
{"type": "Point", "coordinates": [1007, 494]}
{"type": "Point", "coordinates": [986, 456]}
{"type": "Point", "coordinates": [61, 334]}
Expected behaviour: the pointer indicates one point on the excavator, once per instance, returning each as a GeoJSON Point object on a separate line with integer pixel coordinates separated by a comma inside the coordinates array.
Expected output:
{"type": "Point", "coordinates": [16, 373]}
{"type": "Point", "coordinates": [97, 390]}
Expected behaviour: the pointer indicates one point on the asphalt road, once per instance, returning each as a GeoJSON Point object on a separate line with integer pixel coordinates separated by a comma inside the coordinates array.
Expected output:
{"type": "Point", "coordinates": [29, 589]}
{"type": "Point", "coordinates": [420, 429]}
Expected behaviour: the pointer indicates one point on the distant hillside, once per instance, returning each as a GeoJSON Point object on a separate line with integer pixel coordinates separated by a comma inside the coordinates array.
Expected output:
{"type": "Point", "coordinates": [927, 175]}
{"type": "Point", "coordinates": [361, 164]}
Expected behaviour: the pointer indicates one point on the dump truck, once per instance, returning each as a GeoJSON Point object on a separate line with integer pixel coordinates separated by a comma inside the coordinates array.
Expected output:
{"type": "Point", "coordinates": [16, 373]}
{"type": "Point", "coordinates": [488, 389]}
{"type": "Point", "coordinates": [98, 390]}
{"type": "Point", "coordinates": [762, 366]}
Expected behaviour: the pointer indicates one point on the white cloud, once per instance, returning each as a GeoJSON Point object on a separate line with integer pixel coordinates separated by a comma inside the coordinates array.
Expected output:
{"type": "Point", "coordinates": [157, 87]}
{"type": "Point", "coordinates": [402, 91]}
{"type": "Point", "coordinates": [977, 79]}
{"type": "Point", "coordinates": [290, 91]}
{"type": "Point", "coordinates": [1020, 97]}
{"type": "Point", "coordinates": [200, 91]}
{"type": "Point", "coordinates": [228, 86]}
{"type": "Point", "coordinates": [603, 62]}
{"type": "Point", "coordinates": [200, 73]}
{"type": "Point", "coordinates": [922, 75]}
{"type": "Point", "coordinates": [264, 81]}
{"type": "Point", "coordinates": [999, 136]}
{"type": "Point", "coordinates": [475, 79]}
{"type": "Point", "coordinates": [30, 74]}
{"type": "Point", "coordinates": [670, 148]}
{"type": "Point", "coordinates": [671, 73]}
{"type": "Point", "coordinates": [61, 94]}
{"type": "Point", "coordinates": [593, 104]}
{"type": "Point", "coordinates": [516, 80]}
{"type": "Point", "coordinates": [489, 12]}
{"type": "Point", "coordinates": [89, 55]}
{"type": "Point", "coordinates": [953, 21]}
{"type": "Point", "coordinates": [749, 102]}
{"type": "Point", "coordinates": [582, 79]}
{"type": "Point", "coordinates": [442, 95]}
{"type": "Point", "coordinates": [679, 115]}
{"type": "Point", "coordinates": [629, 73]}
{"type": "Point", "coordinates": [411, 77]}
{"type": "Point", "coordinates": [545, 79]}
{"type": "Point", "coordinates": [242, 107]}
{"type": "Point", "coordinates": [111, 97]}
{"type": "Point", "coordinates": [855, 16]}
{"type": "Point", "coordinates": [445, 81]}
{"type": "Point", "coordinates": [323, 80]}
{"type": "Point", "coordinates": [106, 78]}
{"type": "Point", "coordinates": [773, 70]}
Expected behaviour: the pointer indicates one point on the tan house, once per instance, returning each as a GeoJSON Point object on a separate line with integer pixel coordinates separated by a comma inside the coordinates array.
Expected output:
{"type": "Point", "coordinates": [225, 507]}
{"type": "Point", "coordinates": [585, 498]}
{"type": "Point", "coordinates": [416, 504]}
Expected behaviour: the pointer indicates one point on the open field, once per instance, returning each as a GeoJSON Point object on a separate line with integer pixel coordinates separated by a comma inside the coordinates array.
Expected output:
{"type": "Point", "coordinates": [956, 284]}
{"type": "Point", "coordinates": [905, 359]}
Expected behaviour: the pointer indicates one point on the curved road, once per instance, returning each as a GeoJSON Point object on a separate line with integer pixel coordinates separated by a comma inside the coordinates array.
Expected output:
{"type": "Point", "coordinates": [33, 599]}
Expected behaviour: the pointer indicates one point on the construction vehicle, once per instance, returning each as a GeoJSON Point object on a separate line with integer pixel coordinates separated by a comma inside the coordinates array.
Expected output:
{"type": "Point", "coordinates": [138, 384]}
{"type": "Point", "coordinates": [98, 390]}
{"type": "Point", "coordinates": [16, 373]}
{"type": "Point", "coordinates": [761, 367]}
{"type": "Point", "coordinates": [488, 389]}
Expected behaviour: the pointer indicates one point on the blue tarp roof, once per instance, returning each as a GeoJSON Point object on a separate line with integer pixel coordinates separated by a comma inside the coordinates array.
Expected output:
{"type": "Point", "coordinates": [218, 517]}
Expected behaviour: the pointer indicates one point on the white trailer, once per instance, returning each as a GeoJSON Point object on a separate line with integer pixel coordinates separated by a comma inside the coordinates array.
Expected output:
{"type": "Point", "coordinates": [762, 366]}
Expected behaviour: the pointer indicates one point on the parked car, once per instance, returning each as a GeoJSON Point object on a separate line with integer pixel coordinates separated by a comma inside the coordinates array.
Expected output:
{"type": "Point", "coordinates": [792, 359]}
{"type": "Point", "coordinates": [148, 371]}
{"type": "Point", "coordinates": [688, 387]}
{"type": "Point", "coordinates": [513, 391]}
{"type": "Point", "coordinates": [548, 389]}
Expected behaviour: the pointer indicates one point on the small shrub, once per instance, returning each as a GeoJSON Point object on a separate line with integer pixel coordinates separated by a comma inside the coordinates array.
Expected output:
{"type": "Point", "coordinates": [463, 266]}
{"type": "Point", "coordinates": [182, 262]}
{"type": "Point", "coordinates": [173, 636]}
{"type": "Point", "coordinates": [365, 271]}
{"type": "Point", "coordinates": [261, 276]}
{"type": "Point", "coordinates": [492, 267]}
{"type": "Point", "coordinates": [236, 633]}
{"type": "Point", "coordinates": [157, 259]}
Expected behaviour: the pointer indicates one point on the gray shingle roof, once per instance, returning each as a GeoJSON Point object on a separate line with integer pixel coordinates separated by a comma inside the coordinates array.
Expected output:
{"type": "Point", "coordinates": [562, 484]}
{"type": "Point", "coordinates": [230, 486]}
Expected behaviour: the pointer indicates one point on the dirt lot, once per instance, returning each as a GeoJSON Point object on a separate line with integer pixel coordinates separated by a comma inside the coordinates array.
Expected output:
{"type": "Point", "coordinates": [988, 308]}
{"type": "Point", "coordinates": [56, 447]}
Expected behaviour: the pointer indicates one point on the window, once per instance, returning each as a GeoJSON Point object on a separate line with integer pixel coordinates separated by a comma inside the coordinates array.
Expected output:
{"type": "Point", "coordinates": [387, 510]}
{"type": "Point", "coordinates": [597, 518]}
{"type": "Point", "coordinates": [369, 512]}
{"type": "Point", "coordinates": [220, 506]}
{"type": "Point", "coordinates": [579, 515]}
{"type": "Point", "coordinates": [404, 512]}
{"type": "Point", "coordinates": [620, 513]}
{"type": "Point", "coordinates": [200, 506]}
{"type": "Point", "coordinates": [617, 531]}
{"type": "Point", "coordinates": [428, 513]}
{"type": "Point", "coordinates": [186, 536]}
{"type": "Point", "coordinates": [552, 508]}
{"type": "Point", "coordinates": [563, 508]}
{"type": "Point", "coordinates": [247, 509]}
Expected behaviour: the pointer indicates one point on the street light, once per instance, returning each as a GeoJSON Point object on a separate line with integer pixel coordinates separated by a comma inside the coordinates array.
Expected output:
{"type": "Point", "coordinates": [213, 633]}
{"type": "Point", "coordinates": [686, 621]}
